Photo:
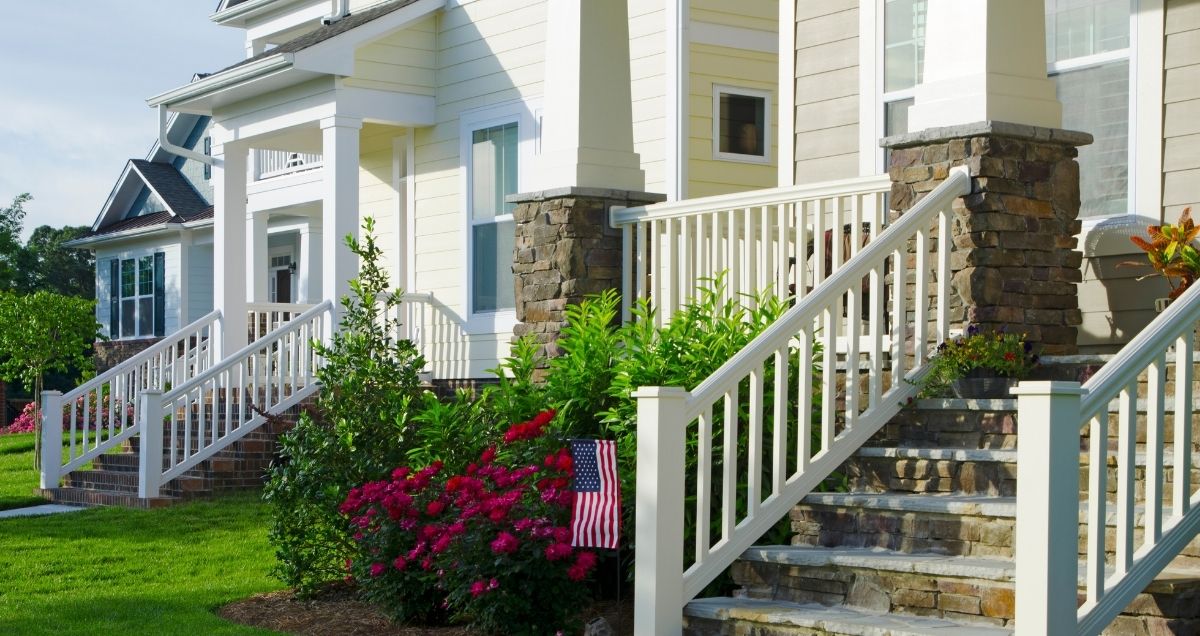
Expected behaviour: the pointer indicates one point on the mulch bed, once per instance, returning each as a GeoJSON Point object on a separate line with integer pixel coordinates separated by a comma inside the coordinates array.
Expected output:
{"type": "Point", "coordinates": [336, 612]}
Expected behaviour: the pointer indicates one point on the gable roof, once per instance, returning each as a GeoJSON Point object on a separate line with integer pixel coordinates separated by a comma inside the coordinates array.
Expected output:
{"type": "Point", "coordinates": [171, 187]}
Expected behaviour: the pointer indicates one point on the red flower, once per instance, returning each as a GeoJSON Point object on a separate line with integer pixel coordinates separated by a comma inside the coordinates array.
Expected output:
{"type": "Point", "coordinates": [478, 588]}
{"type": "Point", "coordinates": [435, 508]}
{"type": "Point", "coordinates": [557, 551]}
{"type": "Point", "coordinates": [488, 455]}
{"type": "Point", "coordinates": [1010, 356]}
{"type": "Point", "coordinates": [400, 563]}
{"type": "Point", "coordinates": [505, 543]}
{"type": "Point", "coordinates": [377, 569]}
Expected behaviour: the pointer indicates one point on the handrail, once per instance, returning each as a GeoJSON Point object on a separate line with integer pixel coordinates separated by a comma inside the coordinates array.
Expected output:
{"type": "Point", "coordinates": [772, 388]}
{"type": "Point", "coordinates": [242, 353]}
{"type": "Point", "coordinates": [142, 356]}
{"type": "Point", "coordinates": [957, 184]}
{"type": "Point", "coordinates": [756, 198]}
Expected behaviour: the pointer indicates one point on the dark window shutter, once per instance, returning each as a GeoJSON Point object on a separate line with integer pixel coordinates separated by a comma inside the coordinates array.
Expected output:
{"type": "Point", "coordinates": [160, 294]}
{"type": "Point", "coordinates": [114, 298]}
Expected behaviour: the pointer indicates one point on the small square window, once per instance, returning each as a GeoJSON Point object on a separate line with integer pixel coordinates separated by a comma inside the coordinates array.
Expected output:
{"type": "Point", "coordinates": [741, 125]}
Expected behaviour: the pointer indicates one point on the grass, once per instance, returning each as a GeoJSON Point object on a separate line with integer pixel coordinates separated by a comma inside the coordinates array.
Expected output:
{"type": "Point", "coordinates": [119, 571]}
{"type": "Point", "coordinates": [17, 476]}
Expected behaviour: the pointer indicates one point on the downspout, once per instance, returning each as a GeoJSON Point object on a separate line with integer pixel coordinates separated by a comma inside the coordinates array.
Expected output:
{"type": "Point", "coordinates": [179, 151]}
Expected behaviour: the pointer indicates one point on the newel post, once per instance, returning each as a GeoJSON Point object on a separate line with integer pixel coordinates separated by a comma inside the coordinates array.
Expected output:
{"type": "Point", "coordinates": [658, 570]}
{"type": "Point", "coordinates": [150, 448]}
{"type": "Point", "coordinates": [52, 438]}
{"type": "Point", "coordinates": [1047, 533]}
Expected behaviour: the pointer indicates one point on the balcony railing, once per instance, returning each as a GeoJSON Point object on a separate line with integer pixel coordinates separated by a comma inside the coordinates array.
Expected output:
{"type": "Point", "coordinates": [277, 163]}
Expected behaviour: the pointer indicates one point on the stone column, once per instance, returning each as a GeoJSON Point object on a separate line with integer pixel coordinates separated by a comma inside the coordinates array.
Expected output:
{"type": "Point", "coordinates": [565, 250]}
{"type": "Point", "coordinates": [1015, 263]}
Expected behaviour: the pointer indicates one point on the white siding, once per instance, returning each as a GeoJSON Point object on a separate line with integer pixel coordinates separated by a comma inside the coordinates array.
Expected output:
{"type": "Point", "coordinates": [826, 90]}
{"type": "Point", "coordinates": [648, 88]}
{"type": "Point", "coordinates": [1181, 123]}
{"type": "Point", "coordinates": [199, 281]}
{"type": "Point", "coordinates": [169, 245]}
{"type": "Point", "coordinates": [404, 61]}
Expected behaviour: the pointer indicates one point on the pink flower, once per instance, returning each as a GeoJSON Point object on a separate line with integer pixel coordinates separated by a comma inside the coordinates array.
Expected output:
{"type": "Point", "coordinates": [478, 588]}
{"type": "Point", "coordinates": [377, 569]}
{"type": "Point", "coordinates": [488, 455]}
{"type": "Point", "coordinates": [400, 563]}
{"type": "Point", "coordinates": [505, 543]}
{"type": "Point", "coordinates": [557, 551]}
{"type": "Point", "coordinates": [493, 584]}
{"type": "Point", "coordinates": [435, 508]}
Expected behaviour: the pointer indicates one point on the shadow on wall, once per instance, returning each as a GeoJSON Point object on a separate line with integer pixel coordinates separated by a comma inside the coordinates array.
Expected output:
{"type": "Point", "coordinates": [1117, 301]}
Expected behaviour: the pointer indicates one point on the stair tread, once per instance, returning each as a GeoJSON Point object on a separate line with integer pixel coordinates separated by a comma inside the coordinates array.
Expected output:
{"type": "Point", "coordinates": [999, 455]}
{"type": "Point", "coordinates": [835, 620]}
{"type": "Point", "coordinates": [983, 505]}
{"type": "Point", "coordinates": [1010, 404]}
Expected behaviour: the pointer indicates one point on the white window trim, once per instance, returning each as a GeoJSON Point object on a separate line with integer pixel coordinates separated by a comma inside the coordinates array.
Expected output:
{"type": "Point", "coordinates": [1146, 55]}
{"type": "Point", "coordinates": [136, 298]}
{"type": "Point", "coordinates": [522, 112]}
{"type": "Point", "coordinates": [768, 140]}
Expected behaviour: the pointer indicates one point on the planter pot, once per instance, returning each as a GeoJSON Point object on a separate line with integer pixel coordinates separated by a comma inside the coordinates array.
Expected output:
{"type": "Point", "coordinates": [983, 388]}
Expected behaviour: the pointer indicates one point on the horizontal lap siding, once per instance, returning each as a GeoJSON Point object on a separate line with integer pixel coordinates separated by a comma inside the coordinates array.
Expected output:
{"type": "Point", "coordinates": [199, 281]}
{"type": "Point", "coordinates": [377, 197]}
{"type": "Point", "coordinates": [1181, 123]}
{"type": "Point", "coordinates": [648, 88]}
{"type": "Point", "coordinates": [405, 61]}
{"type": "Point", "coordinates": [826, 115]}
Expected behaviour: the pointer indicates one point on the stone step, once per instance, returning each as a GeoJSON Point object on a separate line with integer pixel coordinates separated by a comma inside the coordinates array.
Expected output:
{"type": "Point", "coordinates": [962, 589]}
{"type": "Point", "coordinates": [725, 615]}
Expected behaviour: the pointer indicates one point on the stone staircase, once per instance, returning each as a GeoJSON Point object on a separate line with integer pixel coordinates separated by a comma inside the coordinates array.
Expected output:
{"type": "Point", "coordinates": [112, 479]}
{"type": "Point", "coordinates": [922, 542]}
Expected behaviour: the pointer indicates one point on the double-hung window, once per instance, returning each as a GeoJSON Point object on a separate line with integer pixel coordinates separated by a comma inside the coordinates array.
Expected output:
{"type": "Point", "coordinates": [903, 60]}
{"type": "Point", "coordinates": [136, 303]}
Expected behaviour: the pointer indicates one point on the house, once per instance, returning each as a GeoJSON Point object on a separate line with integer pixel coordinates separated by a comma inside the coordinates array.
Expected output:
{"type": "Point", "coordinates": [518, 155]}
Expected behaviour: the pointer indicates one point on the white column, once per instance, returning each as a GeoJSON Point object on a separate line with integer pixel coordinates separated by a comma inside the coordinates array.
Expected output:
{"type": "Point", "coordinates": [339, 212]}
{"type": "Point", "coordinates": [52, 438]}
{"type": "Point", "coordinates": [229, 244]}
{"type": "Point", "coordinates": [587, 138]}
{"type": "Point", "coordinates": [150, 455]}
{"type": "Point", "coordinates": [308, 270]}
{"type": "Point", "coordinates": [1047, 533]}
{"type": "Point", "coordinates": [256, 257]}
{"type": "Point", "coordinates": [658, 573]}
{"type": "Point", "coordinates": [985, 60]}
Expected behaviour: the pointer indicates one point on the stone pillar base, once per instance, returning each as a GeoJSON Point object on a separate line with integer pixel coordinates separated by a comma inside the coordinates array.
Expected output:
{"type": "Point", "coordinates": [1014, 262]}
{"type": "Point", "coordinates": [565, 250]}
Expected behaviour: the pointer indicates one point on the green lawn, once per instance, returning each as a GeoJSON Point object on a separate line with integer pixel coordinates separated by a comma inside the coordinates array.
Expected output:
{"type": "Point", "coordinates": [17, 476]}
{"type": "Point", "coordinates": [118, 571]}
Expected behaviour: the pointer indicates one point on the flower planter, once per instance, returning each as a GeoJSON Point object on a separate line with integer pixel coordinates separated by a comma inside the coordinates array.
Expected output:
{"type": "Point", "coordinates": [983, 387]}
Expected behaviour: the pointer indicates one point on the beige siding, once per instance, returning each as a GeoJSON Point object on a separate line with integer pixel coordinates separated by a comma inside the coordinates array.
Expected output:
{"type": "Point", "coordinates": [733, 68]}
{"type": "Point", "coordinates": [826, 90]}
{"type": "Point", "coordinates": [1181, 123]}
{"type": "Point", "coordinates": [405, 61]}
{"type": "Point", "coordinates": [377, 195]}
{"type": "Point", "coordinates": [1116, 306]}
{"type": "Point", "coordinates": [648, 88]}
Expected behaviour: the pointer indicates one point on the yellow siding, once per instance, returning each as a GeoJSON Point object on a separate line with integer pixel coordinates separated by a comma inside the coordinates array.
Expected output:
{"type": "Point", "coordinates": [735, 68]}
{"type": "Point", "coordinates": [377, 196]}
{"type": "Point", "coordinates": [402, 62]}
{"type": "Point", "coordinates": [826, 113]}
{"type": "Point", "coordinates": [1181, 123]}
{"type": "Point", "coordinates": [648, 88]}
{"type": "Point", "coordinates": [762, 15]}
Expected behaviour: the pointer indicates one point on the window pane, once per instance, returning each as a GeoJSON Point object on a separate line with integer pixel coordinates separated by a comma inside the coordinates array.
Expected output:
{"type": "Point", "coordinates": [492, 287]}
{"type": "Point", "coordinates": [1096, 100]}
{"type": "Point", "coordinates": [1077, 28]}
{"type": "Point", "coordinates": [904, 43]}
{"type": "Point", "coordinates": [493, 170]}
{"type": "Point", "coordinates": [743, 124]}
{"type": "Point", "coordinates": [146, 276]}
{"type": "Point", "coordinates": [128, 278]}
{"type": "Point", "coordinates": [145, 316]}
{"type": "Point", "coordinates": [128, 308]}
{"type": "Point", "coordinates": [895, 117]}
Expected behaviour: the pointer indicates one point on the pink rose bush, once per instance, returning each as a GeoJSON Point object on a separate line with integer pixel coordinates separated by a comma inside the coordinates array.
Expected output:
{"type": "Point", "coordinates": [26, 422]}
{"type": "Point", "coordinates": [491, 545]}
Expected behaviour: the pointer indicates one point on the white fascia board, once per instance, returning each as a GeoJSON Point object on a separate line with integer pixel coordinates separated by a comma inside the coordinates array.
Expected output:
{"type": "Point", "coordinates": [335, 56]}
{"type": "Point", "coordinates": [237, 16]}
{"type": "Point", "coordinates": [92, 241]}
{"type": "Point", "coordinates": [155, 191]}
{"type": "Point", "coordinates": [275, 28]}
{"type": "Point", "coordinates": [407, 110]}
{"type": "Point", "coordinates": [106, 209]}
{"type": "Point", "coordinates": [226, 79]}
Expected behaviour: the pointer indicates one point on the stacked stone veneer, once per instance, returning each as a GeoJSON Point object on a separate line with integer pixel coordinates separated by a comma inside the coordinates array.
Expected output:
{"type": "Point", "coordinates": [565, 250]}
{"type": "Point", "coordinates": [1015, 263]}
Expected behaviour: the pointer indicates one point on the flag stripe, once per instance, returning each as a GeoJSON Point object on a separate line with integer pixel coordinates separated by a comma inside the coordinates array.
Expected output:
{"type": "Point", "coordinates": [595, 516]}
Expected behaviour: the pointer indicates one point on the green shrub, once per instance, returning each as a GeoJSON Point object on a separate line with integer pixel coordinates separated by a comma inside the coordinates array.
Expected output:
{"type": "Point", "coordinates": [358, 432]}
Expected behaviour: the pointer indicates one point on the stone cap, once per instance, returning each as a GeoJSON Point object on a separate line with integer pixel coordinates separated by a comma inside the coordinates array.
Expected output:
{"type": "Point", "coordinates": [632, 196]}
{"type": "Point", "coordinates": [987, 128]}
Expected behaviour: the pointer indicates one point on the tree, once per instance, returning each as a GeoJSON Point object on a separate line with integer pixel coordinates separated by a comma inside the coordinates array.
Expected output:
{"type": "Point", "coordinates": [44, 332]}
{"type": "Point", "coordinates": [12, 220]}
{"type": "Point", "coordinates": [45, 264]}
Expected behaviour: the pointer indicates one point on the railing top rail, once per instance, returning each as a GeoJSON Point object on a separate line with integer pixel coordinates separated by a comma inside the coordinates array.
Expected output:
{"type": "Point", "coordinates": [142, 356]}
{"type": "Point", "coordinates": [771, 196]}
{"type": "Point", "coordinates": [426, 297]}
{"type": "Point", "coordinates": [1178, 319]}
{"type": "Point", "coordinates": [957, 184]}
{"type": "Point", "coordinates": [244, 352]}
{"type": "Point", "coordinates": [278, 306]}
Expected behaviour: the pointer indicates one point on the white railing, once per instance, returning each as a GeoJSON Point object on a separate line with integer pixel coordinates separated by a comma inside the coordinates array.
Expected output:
{"type": "Point", "coordinates": [438, 333]}
{"type": "Point", "coordinates": [747, 407]}
{"type": "Point", "coordinates": [263, 318]}
{"type": "Point", "coordinates": [780, 239]}
{"type": "Point", "coordinates": [192, 422]}
{"type": "Point", "coordinates": [1057, 419]}
{"type": "Point", "coordinates": [101, 413]}
{"type": "Point", "coordinates": [275, 163]}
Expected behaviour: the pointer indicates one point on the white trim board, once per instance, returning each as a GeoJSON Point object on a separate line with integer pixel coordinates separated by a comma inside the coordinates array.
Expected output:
{"type": "Point", "coordinates": [734, 37]}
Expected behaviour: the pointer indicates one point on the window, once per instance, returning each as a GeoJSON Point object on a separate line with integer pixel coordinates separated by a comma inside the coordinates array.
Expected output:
{"type": "Point", "coordinates": [903, 59]}
{"type": "Point", "coordinates": [208, 153]}
{"type": "Point", "coordinates": [493, 176]}
{"type": "Point", "coordinates": [136, 303]}
{"type": "Point", "coordinates": [1088, 52]}
{"type": "Point", "coordinates": [740, 124]}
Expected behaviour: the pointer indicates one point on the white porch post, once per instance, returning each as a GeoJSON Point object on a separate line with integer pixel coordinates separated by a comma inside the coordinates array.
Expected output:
{"type": "Point", "coordinates": [588, 136]}
{"type": "Point", "coordinates": [658, 573]}
{"type": "Point", "coordinates": [985, 60]}
{"type": "Point", "coordinates": [256, 257]}
{"type": "Point", "coordinates": [229, 244]}
{"type": "Point", "coordinates": [52, 438]}
{"type": "Point", "coordinates": [1047, 533]}
{"type": "Point", "coordinates": [339, 212]}
{"type": "Point", "coordinates": [308, 270]}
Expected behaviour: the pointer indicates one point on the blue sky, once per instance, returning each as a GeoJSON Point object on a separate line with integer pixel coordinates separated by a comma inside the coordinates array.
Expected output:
{"type": "Point", "coordinates": [74, 77]}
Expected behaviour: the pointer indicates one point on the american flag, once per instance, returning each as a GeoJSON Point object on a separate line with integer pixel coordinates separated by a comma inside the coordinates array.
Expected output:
{"type": "Point", "coordinates": [597, 512]}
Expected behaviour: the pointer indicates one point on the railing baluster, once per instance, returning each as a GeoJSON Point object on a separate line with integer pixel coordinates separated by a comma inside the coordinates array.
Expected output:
{"type": "Point", "coordinates": [800, 249]}
{"type": "Point", "coordinates": [1097, 506]}
{"type": "Point", "coordinates": [921, 298]}
{"type": "Point", "coordinates": [765, 262]}
{"type": "Point", "coordinates": [782, 260]}
{"type": "Point", "coordinates": [658, 289]}
{"type": "Point", "coordinates": [818, 240]}
{"type": "Point", "coordinates": [1127, 473]}
{"type": "Point", "coordinates": [729, 465]}
{"type": "Point", "coordinates": [671, 276]}
{"type": "Point", "coordinates": [780, 423]}
{"type": "Point", "coordinates": [1156, 378]}
{"type": "Point", "coordinates": [627, 259]}
{"type": "Point", "coordinates": [899, 316]}
{"type": "Point", "coordinates": [755, 456]}
{"type": "Point", "coordinates": [1181, 490]}
{"type": "Point", "coordinates": [703, 484]}
{"type": "Point", "coordinates": [748, 267]}
{"type": "Point", "coordinates": [829, 376]}
{"type": "Point", "coordinates": [732, 261]}
{"type": "Point", "coordinates": [876, 326]}
{"type": "Point", "coordinates": [943, 276]}
{"type": "Point", "coordinates": [642, 256]}
{"type": "Point", "coordinates": [804, 391]}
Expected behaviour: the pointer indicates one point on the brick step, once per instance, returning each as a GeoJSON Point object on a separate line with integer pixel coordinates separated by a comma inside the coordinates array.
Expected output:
{"type": "Point", "coordinates": [973, 471]}
{"type": "Point", "coordinates": [224, 462]}
{"type": "Point", "coordinates": [723, 615]}
{"type": "Point", "coordinates": [961, 589]}
{"type": "Point", "coordinates": [952, 525]}
{"type": "Point", "coordinates": [127, 482]}
{"type": "Point", "coordinates": [82, 497]}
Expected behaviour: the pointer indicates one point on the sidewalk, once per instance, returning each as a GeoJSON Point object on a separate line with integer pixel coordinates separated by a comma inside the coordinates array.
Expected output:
{"type": "Point", "coordinates": [44, 509]}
